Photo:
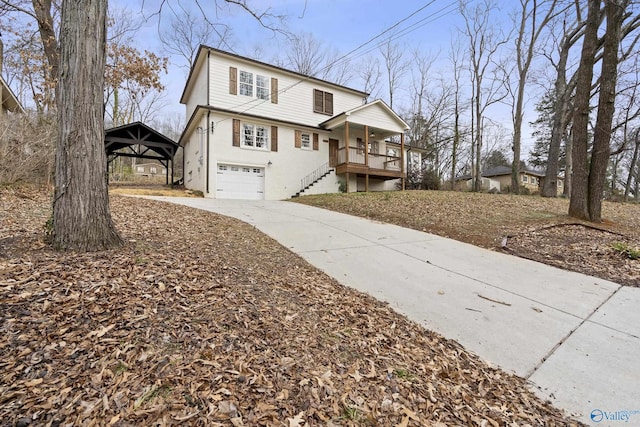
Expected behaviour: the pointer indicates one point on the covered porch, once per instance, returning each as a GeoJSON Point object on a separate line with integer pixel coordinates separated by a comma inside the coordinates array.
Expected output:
{"type": "Point", "coordinates": [367, 143]}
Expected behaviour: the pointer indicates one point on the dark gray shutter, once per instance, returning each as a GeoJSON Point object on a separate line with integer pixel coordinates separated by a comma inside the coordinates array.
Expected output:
{"type": "Point", "coordinates": [318, 101]}
{"type": "Point", "coordinates": [236, 133]}
{"type": "Point", "coordinates": [298, 141]}
{"type": "Point", "coordinates": [233, 81]}
{"type": "Point", "coordinates": [328, 103]}
{"type": "Point", "coordinates": [274, 138]}
{"type": "Point", "coordinates": [274, 90]}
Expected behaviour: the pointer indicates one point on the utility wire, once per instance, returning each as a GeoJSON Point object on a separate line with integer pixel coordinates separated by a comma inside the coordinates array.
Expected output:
{"type": "Point", "coordinates": [424, 21]}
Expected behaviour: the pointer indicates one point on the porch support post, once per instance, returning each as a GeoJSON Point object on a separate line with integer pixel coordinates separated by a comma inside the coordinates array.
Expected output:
{"type": "Point", "coordinates": [346, 142]}
{"type": "Point", "coordinates": [346, 151]}
{"type": "Point", "coordinates": [366, 157]}
{"type": "Point", "coordinates": [404, 177]}
{"type": "Point", "coordinates": [366, 145]}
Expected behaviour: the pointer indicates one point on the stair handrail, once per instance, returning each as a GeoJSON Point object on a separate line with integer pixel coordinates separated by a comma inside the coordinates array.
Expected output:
{"type": "Point", "coordinates": [314, 176]}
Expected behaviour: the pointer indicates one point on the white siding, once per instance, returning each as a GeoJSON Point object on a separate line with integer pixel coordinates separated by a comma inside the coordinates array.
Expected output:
{"type": "Point", "coordinates": [376, 115]}
{"type": "Point", "coordinates": [295, 97]}
{"type": "Point", "coordinates": [288, 165]}
{"type": "Point", "coordinates": [195, 162]}
{"type": "Point", "coordinates": [198, 92]}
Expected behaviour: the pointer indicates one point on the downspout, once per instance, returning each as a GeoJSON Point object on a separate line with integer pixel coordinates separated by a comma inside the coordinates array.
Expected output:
{"type": "Point", "coordinates": [208, 113]}
{"type": "Point", "coordinates": [208, 132]}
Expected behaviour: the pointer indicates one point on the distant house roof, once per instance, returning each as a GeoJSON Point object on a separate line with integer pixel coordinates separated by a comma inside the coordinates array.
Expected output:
{"type": "Point", "coordinates": [501, 171]}
{"type": "Point", "coordinates": [9, 100]}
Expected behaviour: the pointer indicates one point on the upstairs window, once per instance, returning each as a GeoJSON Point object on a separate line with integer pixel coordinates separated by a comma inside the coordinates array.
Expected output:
{"type": "Point", "coordinates": [262, 87]}
{"type": "Point", "coordinates": [243, 82]}
{"type": "Point", "coordinates": [246, 83]}
{"type": "Point", "coordinates": [322, 102]}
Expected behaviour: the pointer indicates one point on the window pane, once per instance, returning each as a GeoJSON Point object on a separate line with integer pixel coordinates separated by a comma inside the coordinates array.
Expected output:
{"type": "Point", "coordinates": [261, 136]}
{"type": "Point", "coordinates": [262, 87]}
{"type": "Point", "coordinates": [246, 83]}
{"type": "Point", "coordinates": [306, 140]}
{"type": "Point", "coordinates": [248, 135]}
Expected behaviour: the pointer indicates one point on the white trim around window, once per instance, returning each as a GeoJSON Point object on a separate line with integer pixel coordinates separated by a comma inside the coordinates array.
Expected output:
{"type": "Point", "coordinates": [248, 80]}
{"type": "Point", "coordinates": [262, 87]}
{"type": "Point", "coordinates": [246, 83]}
{"type": "Point", "coordinates": [255, 136]}
{"type": "Point", "coordinates": [305, 141]}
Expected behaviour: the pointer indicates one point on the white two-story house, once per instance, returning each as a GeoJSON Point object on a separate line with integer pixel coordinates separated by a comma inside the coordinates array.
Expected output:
{"type": "Point", "coordinates": [258, 131]}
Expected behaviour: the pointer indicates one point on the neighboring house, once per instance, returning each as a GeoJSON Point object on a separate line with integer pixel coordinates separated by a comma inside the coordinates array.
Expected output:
{"type": "Point", "coordinates": [9, 100]}
{"type": "Point", "coordinates": [499, 178]}
{"type": "Point", "coordinates": [149, 170]}
{"type": "Point", "coordinates": [257, 131]}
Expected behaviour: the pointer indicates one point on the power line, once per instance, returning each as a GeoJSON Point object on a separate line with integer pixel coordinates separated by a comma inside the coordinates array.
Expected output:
{"type": "Point", "coordinates": [424, 21]}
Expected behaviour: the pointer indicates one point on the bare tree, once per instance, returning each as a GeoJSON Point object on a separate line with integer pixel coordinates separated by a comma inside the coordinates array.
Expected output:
{"type": "Point", "coordinates": [44, 13]}
{"type": "Point", "coordinates": [369, 72]}
{"type": "Point", "coordinates": [633, 166]}
{"type": "Point", "coordinates": [338, 68]}
{"type": "Point", "coordinates": [532, 18]}
{"type": "Point", "coordinates": [456, 59]}
{"type": "Point", "coordinates": [589, 176]}
{"type": "Point", "coordinates": [571, 33]}
{"type": "Point", "coordinates": [395, 65]}
{"type": "Point", "coordinates": [306, 54]}
{"type": "Point", "coordinates": [187, 31]}
{"type": "Point", "coordinates": [615, 14]}
{"type": "Point", "coordinates": [578, 206]}
{"type": "Point", "coordinates": [484, 44]}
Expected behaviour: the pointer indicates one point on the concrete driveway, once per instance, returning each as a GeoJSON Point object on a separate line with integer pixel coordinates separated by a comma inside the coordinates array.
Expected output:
{"type": "Point", "coordinates": [576, 338]}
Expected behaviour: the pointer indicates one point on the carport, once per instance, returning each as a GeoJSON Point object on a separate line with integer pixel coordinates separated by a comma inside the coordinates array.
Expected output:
{"type": "Point", "coordinates": [140, 141]}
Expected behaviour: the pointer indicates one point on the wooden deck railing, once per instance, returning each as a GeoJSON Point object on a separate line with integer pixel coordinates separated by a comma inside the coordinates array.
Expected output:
{"type": "Point", "coordinates": [376, 161]}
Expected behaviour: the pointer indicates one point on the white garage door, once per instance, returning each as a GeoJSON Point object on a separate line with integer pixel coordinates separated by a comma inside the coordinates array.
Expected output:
{"type": "Point", "coordinates": [240, 182]}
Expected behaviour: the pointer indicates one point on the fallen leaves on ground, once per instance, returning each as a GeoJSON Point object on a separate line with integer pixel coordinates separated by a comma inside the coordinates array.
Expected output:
{"type": "Point", "coordinates": [537, 228]}
{"type": "Point", "coordinates": [202, 320]}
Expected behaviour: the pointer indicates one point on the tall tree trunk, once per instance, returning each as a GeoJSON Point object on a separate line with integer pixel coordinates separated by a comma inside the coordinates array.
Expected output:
{"type": "Point", "coordinates": [81, 215]}
{"type": "Point", "coordinates": [632, 166]}
{"type": "Point", "coordinates": [559, 125]}
{"type": "Point", "coordinates": [614, 11]}
{"type": "Point", "coordinates": [478, 144]}
{"type": "Point", "coordinates": [42, 9]}
{"type": "Point", "coordinates": [568, 169]}
{"type": "Point", "coordinates": [456, 142]}
{"type": "Point", "coordinates": [517, 137]}
{"type": "Point", "coordinates": [578, 205]}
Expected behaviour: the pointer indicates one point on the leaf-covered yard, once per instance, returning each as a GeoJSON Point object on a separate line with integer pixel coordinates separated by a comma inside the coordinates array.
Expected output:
{"type": "Point", "coordinates": [529, 226]}
{"type": "Point", "coordinates": [202, 320]}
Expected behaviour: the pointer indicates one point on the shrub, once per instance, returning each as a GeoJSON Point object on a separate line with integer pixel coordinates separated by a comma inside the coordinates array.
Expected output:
{"type": "Point", "coordinates": [27, 149]}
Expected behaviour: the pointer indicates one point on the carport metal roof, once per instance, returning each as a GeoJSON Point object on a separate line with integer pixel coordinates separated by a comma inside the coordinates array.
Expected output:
{"type": "Point", "coordinates": [140, 141]}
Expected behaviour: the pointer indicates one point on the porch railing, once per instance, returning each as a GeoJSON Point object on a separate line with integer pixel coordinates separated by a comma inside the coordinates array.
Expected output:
{"type": "Point", "coordinates": [376, 161]}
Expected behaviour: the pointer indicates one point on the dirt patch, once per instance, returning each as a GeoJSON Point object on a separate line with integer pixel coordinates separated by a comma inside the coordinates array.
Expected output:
{"type": "Point", "coordinates": [581, 248]}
